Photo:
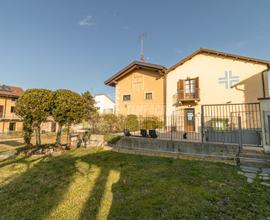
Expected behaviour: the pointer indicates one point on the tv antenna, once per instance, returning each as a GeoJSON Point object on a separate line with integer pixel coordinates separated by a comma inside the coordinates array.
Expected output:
{"type": "Point", "coordinates": [142, 37]}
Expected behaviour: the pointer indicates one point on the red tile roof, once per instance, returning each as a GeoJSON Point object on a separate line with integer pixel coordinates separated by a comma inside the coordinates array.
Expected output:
{"type": "Point", "coordinates": [10, 91]}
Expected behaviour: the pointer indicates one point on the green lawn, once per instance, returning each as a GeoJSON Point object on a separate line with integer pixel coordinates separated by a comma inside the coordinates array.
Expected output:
{"type": "Point", "coordinates": [98, 184]}
{"type": "Point", "coordinates": [12, 144]}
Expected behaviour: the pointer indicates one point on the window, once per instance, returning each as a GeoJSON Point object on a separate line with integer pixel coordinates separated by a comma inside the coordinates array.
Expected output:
{"type": "Point", "coordinates": [12, 109]}
{"type": "Point", "coordinates": [12, 126]}
{"type": "Point", "coordinates": [126, 97]}
{"type": "Point", "coordinates": [148, 95]}
{"type": "Point", "coordinates": [188, 89]}
{"type": "Point", "coordinates": [190, 86]}
{"type": "Point", "coordinates": [14, 99]}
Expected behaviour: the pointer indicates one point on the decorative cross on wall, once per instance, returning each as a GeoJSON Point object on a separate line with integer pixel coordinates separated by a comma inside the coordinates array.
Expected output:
{"type": "Point", "coordinates": [229, 80]}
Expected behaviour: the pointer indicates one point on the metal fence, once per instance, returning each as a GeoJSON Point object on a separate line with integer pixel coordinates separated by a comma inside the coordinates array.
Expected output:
{"type": "Point", "coordinates": [230, 123]}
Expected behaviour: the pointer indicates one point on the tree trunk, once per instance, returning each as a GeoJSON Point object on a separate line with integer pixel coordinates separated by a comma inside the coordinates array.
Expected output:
{"type": "Point", "coordinates": [58, 135]}
{"type": "Point", "coordinates": [38, 138]}
{"type": "Point", "coordinates": [27, 132]}
{"type": "Point", "coordinates": [68, 130]}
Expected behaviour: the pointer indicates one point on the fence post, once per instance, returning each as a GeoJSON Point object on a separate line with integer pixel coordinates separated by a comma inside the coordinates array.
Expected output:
{"type": "Point", "coordinates": [240, 133]}
{"type": "Point", "coordinates": [172, 125]}
{"type": "Point", "coordinates": [202, 123]}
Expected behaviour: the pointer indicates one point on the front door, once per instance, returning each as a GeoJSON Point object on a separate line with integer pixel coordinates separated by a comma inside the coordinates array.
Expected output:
{"type": "Point", "coordinates": [189, 120]}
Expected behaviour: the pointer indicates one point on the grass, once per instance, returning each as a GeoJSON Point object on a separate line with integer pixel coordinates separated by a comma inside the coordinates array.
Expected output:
{"type": "Point", "coordinates": [98, 184]}
{"type": "Point", "coordinates": [10, 145]}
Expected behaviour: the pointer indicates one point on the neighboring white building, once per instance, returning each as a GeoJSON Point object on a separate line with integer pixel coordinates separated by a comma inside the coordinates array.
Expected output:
{"type": "Point", "coordinates": [104, 104]}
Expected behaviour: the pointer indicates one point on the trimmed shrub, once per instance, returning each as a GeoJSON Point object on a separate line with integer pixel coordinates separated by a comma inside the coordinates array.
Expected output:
{"type": "Point", "coordinates": [112, 139]}
{"type": "Point", "coordinates": [132, 123]}
{"type": "Point", "coordinates": [108, 123]}
{"type": "Point", "coordinates": [151, 123]}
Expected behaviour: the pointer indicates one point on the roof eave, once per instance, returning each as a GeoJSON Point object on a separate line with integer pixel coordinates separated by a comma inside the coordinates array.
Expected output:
{"type": "Point", "coordinates": [134, 65]}
{"type": "Point", "coordinates": [218, 53]}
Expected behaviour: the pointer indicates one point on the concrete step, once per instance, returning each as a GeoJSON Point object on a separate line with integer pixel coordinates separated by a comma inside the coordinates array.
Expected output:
{"type": "Point", "coordinates": [254, 162]}
{"type": "Point", "coordinates": [255, 155]}
{"type": "Point", "coordinates": [252, 150]}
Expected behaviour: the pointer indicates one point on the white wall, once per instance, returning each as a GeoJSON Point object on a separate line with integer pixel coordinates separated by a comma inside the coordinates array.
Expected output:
{"type": "Point", "coordinates": [209, 69]}
{"type": "Point", "coordinates": [105, 104]}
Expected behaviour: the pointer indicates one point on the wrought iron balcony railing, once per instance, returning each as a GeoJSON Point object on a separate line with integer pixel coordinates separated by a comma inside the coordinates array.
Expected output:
{"type": "Point", "coordinates": [182, 95]}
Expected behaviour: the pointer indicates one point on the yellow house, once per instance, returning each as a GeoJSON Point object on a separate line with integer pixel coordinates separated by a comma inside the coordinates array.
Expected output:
{"type": "Point", "coordinates": [139, 89]}
{"type": "Point", "coordinates": [9, 121]}
{"type": "Point", "coordinates": [212, 77]}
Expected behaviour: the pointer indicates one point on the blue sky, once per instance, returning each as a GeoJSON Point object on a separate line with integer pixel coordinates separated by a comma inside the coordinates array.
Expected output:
{"type": "Point", "coordinates": [77, 44]}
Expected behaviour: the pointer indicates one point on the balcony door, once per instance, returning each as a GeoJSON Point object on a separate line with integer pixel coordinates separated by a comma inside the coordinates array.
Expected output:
{"type": "Point", "coordinates": [188, 89]}
{"type": "Point", "coordinates": [189, 115]}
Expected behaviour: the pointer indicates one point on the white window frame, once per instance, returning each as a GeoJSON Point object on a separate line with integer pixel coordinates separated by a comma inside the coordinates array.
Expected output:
{"type": "Point", "coordinates": [148, 92]}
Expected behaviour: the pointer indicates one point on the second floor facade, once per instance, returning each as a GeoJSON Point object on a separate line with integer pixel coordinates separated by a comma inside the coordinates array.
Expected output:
{"type": "Point", "coordinates": [214, 77]}
{"type": "Point", "coordinates": [139, 89]}
{"type": "Point", "coordinates": [204, 77]}
{"type": "Point", "coordinates": [8, 98]}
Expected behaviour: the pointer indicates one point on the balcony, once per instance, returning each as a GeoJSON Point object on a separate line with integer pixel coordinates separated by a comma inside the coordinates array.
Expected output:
{"type": "Point", "coordinates": [11, 116]}
{"type": "Point", "coordinates": [182, 96]}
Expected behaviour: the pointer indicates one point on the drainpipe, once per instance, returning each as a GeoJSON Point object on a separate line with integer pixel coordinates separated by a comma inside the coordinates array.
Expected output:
{"type": "Point", "coordinates": [263, 85]}
{"type": "Point", "coordinates": [165, 98]}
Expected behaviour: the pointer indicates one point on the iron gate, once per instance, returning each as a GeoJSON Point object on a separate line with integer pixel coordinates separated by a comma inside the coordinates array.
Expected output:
{"type": "Point", "coordinates": [232, 123]}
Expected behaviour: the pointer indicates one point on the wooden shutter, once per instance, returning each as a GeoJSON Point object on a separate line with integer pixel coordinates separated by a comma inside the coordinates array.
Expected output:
{"type": "Point", "coordinates": [197, 89]}
{"type": "Point", "coordinates": [180, 89]}
{"type": "Point", "coordinates": [1, 111]}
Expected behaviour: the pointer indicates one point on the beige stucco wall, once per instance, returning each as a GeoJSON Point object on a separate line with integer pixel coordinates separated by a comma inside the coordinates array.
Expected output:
{"type": "Point", "coordinates": [136, 84]}
{"type": "Point", "coordinates": [8, 117]}
{"type": "Point", "coordinates": [209, 69]}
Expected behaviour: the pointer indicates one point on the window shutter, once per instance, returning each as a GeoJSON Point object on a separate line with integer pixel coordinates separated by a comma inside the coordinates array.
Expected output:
{"type": "Point", "coordinates": [197, 87]}
{"type": "Point", "coordinates": [180, 89]}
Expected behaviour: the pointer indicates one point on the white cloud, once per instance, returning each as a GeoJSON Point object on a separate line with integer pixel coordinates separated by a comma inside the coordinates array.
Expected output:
{"type": "Point", "coordinates": [87, 21]}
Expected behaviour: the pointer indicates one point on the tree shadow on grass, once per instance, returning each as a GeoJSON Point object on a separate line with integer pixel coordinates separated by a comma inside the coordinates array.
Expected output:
{"type": "Point", "coordinates": [12, 143]}
{"type": "Point", "coordinates": [36, 191]}
{"type": "Point", "coordinates": [147, 188]}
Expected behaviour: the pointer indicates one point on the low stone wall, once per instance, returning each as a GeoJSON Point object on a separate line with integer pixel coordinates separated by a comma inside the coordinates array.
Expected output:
{"type": "Point", "coordinates": [179, 147]}
{"type": "Point", "coordinates": [97, 140]}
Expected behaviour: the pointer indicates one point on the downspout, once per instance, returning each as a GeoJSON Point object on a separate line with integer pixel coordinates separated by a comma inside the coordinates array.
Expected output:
{"type": "Point", "coordinates": [165, 97]}
{"type": "Point", "coordinates": [263, 85]}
